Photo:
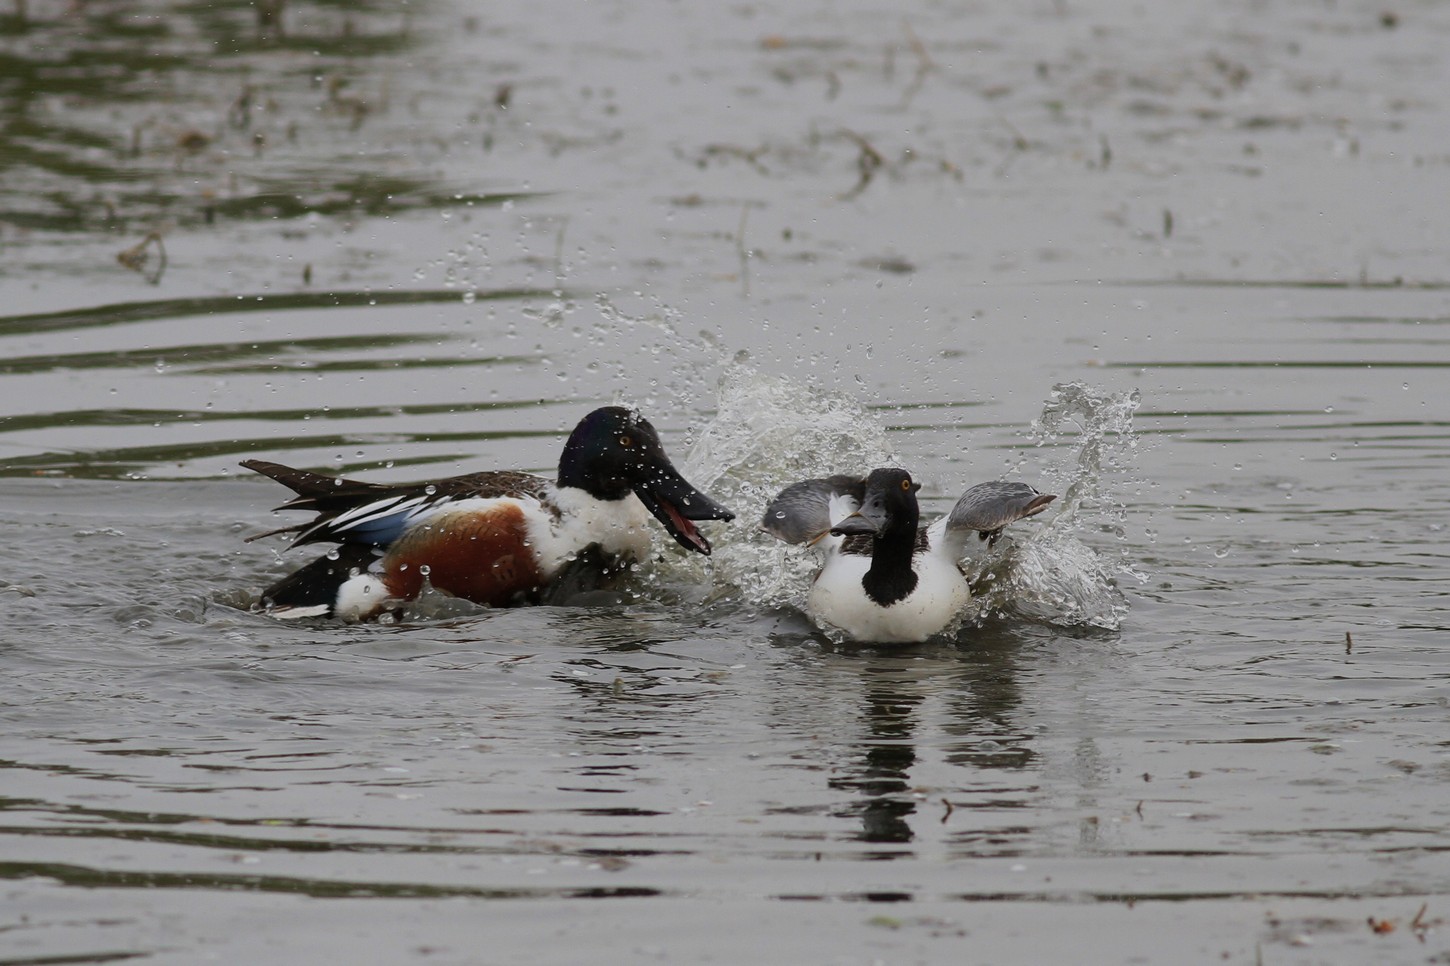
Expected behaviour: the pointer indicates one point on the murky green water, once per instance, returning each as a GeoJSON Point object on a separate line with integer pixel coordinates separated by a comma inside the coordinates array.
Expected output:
{"type": "Point", "coordinates": [1204, 715]}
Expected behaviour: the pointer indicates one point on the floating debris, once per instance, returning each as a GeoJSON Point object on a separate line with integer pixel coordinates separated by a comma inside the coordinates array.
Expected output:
{"type": "Point", "coordinates": [138, 258]}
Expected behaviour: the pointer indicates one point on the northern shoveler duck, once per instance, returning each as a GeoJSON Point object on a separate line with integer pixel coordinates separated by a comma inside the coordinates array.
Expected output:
{"type": "Point", "coordinates": [497, 538]}
{"type": "Point", "coordinates": [885, 579]}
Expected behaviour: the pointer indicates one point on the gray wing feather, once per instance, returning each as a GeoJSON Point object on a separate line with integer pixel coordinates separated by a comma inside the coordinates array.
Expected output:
{"type": "Point", "coordinates": [801, 512]}
{"type": "Point", "coordinates": [988, 507]}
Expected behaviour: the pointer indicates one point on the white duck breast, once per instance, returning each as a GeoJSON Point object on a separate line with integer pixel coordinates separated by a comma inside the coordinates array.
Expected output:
{"type": "Point", "coordinates": [838, 598]}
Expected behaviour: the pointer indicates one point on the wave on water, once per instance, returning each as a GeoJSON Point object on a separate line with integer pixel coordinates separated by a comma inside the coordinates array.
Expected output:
{"type": "Point", "coordinates": [771, 431]}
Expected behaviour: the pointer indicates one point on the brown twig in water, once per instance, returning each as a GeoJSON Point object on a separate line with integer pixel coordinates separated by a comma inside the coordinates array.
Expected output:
{"type": "Point", "coordinates": [924, 64]}
{"type": "Point", "coordinates": [137, 256]}
{"type": "Point", "coordinates": [868, 162]}
{"type": "Point", "coordinates": [239, 114]}
{"type": "Point", "coordinates": [1348, 643]}
{"type": "Point", "coordinates": [1019, 144]}
{"type": "Point", "coordinates": [1420, 925]}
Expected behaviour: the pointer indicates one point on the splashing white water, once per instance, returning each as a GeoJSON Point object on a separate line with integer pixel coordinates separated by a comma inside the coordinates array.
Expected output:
{"type": "Point", "coordinates": [769, 432]}
{"type": "Point", "coordinates": [1050, 575]}
{"type": "Point", "coordinates": [1106, 445]}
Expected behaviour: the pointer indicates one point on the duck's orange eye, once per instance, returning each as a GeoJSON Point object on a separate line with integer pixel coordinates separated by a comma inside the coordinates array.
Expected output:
{"type": "Point", "coordinates": [906, 484]}
{"type": "Point", "coordinates": [625, 441]}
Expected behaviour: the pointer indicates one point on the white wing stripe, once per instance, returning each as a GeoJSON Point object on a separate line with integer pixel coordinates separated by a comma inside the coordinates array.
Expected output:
{"type": "Point", "coordinates": [378, 510]}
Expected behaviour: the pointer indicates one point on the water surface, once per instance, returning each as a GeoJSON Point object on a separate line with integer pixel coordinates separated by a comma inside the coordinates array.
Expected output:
{"type": "Point", "coordinates": [1176, 265]}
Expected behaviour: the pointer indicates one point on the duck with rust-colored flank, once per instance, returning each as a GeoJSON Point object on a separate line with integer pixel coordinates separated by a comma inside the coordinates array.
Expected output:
{"type": "Point", "coordinates": [497, 538]}
{"type": "Point", "coordinates": [885, 578]}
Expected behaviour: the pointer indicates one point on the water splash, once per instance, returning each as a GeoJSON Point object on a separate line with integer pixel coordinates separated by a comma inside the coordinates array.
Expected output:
{"type": "Point", "coordinates": [1106, 445]}
{"type": "Point", "coordinates": [1050, 575]}
{"type": "Point", "coordinates": [770, 431]}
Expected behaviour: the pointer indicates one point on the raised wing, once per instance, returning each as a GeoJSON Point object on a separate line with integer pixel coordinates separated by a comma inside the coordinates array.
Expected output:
{"type": "Point", "coordinates": [804, 512]}
{"type": "Point", "coordinates": [374, 514]}
{"type": "Point", "coordinates": [988, 507]}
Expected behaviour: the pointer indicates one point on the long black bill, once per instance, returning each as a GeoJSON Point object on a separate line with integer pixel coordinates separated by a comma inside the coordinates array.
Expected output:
{"type": "Point", "coordinates": [856, 523]}
{"type": "Point", "coordinates": [674, 502]}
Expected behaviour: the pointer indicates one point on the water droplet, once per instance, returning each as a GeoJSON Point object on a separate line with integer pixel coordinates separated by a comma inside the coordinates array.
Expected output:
{"type": "Point", "coordinates": [424, 569]}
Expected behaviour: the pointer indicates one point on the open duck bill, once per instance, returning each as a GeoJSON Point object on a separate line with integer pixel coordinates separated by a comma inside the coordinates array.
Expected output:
{"type": "Point", "coordinates": [858, 522]}
{"type": "Point", "coordinates": [675, 503]}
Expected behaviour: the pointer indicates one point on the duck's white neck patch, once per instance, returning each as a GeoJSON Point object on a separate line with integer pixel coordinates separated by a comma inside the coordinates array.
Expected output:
{"type": "Point", "coordinates": [618, 526]}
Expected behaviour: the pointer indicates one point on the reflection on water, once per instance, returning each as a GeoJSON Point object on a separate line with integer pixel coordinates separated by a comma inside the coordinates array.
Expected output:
{"type": "Point", "coordinates": [921, 709]}
{"type": "Point", "coordinates": [880, 776]}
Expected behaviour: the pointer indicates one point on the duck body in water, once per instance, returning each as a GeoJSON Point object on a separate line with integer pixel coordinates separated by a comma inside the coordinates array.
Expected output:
{"type": "Point", "coordinates": [884, 577]}
{"type": "Point", "coordinates": [497, 538]}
